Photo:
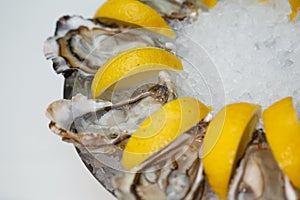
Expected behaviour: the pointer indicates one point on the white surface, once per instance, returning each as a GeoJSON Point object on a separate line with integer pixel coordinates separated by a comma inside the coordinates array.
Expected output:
{"type": "Point", "coordinates": [35, 164]}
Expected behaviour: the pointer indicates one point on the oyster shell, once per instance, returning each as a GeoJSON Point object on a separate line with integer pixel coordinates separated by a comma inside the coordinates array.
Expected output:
{"type": "Point", "coordinates": [80, 116]}
{"type": "Point", "coordinates": [66, 27]}
{"type": "Point", "coordinates": [259, 176]}
{"type": "Point", "coordinates": [100, 129]}
{"type": "Point", "coordinates": [175, 172]}
{"type": "Point", "coordinates": [175, 9]}
{"type": "Point", "coordinates": [85, 44]}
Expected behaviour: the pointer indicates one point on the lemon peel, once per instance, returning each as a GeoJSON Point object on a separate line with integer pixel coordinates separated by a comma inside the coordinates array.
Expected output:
{"type": "Point", "coordinates": [295, 4]}
{"type": "Point", "coordinates": [132, 61]}
{"type": "Point", "coordinates": [225, 140]}
{"type": "Point", "coordinates": [282, 129]}
{"type": "Point", "coordinates": [209, 3]}
{"type": "Point", "coordinates": [161, 128]}
{"type": "Point", "coordinates": [133, 13]}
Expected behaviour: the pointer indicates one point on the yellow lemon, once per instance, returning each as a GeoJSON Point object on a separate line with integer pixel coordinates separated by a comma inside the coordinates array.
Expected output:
{"type": "Point", "coordinates": [225, 141]}
{"type": "Point", "coordinates": [133, 13]}
{"type": "Point", "coordinates": [209, 3]}
{"type": "Point", "coordinates": [161, 128]}
{"type": "Point", "coordinates": [132, 61]}
{"type": "Point", "coordinates": [295, 4]}
{"type": "Point", "coordinates": [283, 135]}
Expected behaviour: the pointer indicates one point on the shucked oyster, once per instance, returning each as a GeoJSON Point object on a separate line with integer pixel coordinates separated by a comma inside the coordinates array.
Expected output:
{"type": "Point", "coordinates": [100, 129]}
{"type": "Point", "coordinates": [62, 49]}
{"type": "Point", "coordinates": [259, 176]}
{"type": "Point", "coordinates": [85, 44]}
{"type": "Point", "coordinates": [175, 9]}
{"type": "Point", "coordinates": [174, 173]}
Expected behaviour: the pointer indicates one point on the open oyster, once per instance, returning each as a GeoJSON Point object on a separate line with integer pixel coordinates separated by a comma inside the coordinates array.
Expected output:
{"type": "Point", "coordinates": [100, 129]}
{"type": "Point", "coordinates": [175, 172]}
{"type": "Point", "coordinates": [175, 9]}
{"type": "Point", "coordinates": [85, 44]}
{"type": "Point", "coordinates": [259, 176]}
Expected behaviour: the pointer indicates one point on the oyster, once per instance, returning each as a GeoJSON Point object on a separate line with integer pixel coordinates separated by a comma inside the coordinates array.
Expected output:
{"type": "Point", "coordinates": [259, 176]}
{"type": "Point", "coordinates": [86, 44]}
{"type": "Point", "coordinates": [176, 9]}
{"type": "Point", "coordinates": [100, 129]}
{"type": "Point", "coordinates": [174, 173]}
{"type": "Point", "coordinates": [59, 50]}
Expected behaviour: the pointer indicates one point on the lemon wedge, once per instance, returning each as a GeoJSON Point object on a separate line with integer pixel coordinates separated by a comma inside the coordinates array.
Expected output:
{"type": "Point", "coordinates": [133, 13]}
{"type": "Point", "coordinates": [295, 4]}
{"type": "Point", "coordinates": [283, 135]}
{"type": "Point", "coordinates": [225, 141]}
{"type": "Point", "coordinates": [161, 128]}
{"type": "Point", "coordinates": [130, 62]}
{"type": "Point", "coordinates": [209, 3]}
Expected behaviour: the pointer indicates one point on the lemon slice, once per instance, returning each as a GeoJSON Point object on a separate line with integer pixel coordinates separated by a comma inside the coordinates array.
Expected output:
{"type": "Point", "coordinates": [209, 3]}
{"type": "Point", "coordinates": [283, 135]}
{"type": "Point", "coordinates": [225, 141]}
{"type": "Point", "coordinates": [161, 128]}
{"type": "Point", "coordinates": [133, 13]}
{"type": "Point", "coordinates": [295, 4]}
{"type": "Point", "coordinates": [130, 62]}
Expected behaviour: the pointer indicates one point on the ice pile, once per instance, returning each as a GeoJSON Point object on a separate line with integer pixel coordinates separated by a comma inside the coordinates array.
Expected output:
{"type": "Point", "coordinates": [254, 47]}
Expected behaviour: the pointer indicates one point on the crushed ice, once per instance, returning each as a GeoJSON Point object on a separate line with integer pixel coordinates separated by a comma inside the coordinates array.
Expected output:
{"type": "Point", "coordinates": [254, 47]}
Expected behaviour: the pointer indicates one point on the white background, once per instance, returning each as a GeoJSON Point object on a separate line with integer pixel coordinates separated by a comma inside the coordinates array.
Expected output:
{"type": "Point", "coordinates": [34, 163]}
